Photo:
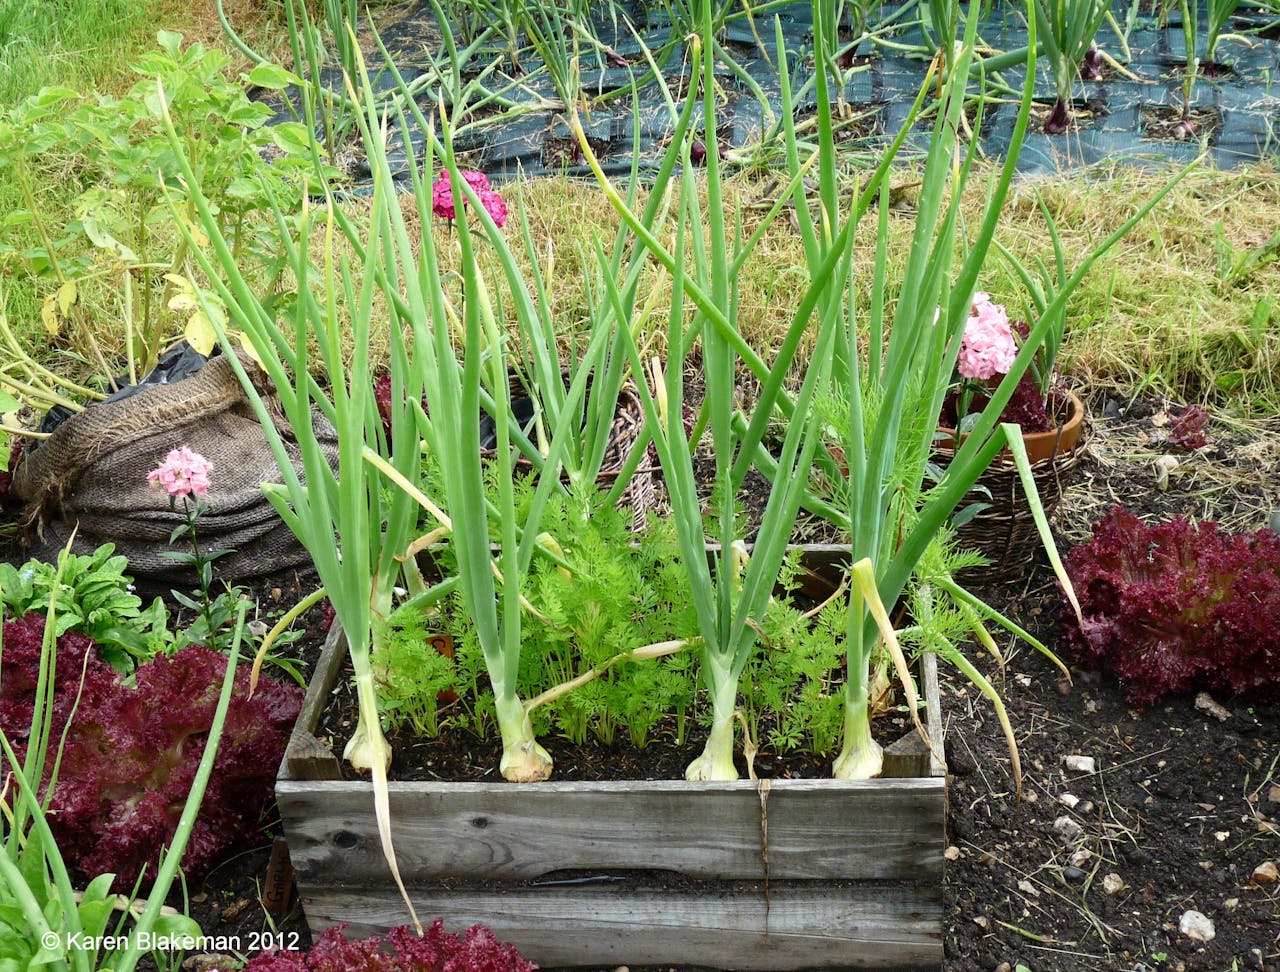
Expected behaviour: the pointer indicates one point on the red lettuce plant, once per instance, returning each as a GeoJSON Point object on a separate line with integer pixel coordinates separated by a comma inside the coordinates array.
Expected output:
{"type": "Point", "coordinates": [1177, 606]}
{"type": "Point", "coordinates": [1187, 430]}
{"type": "Point", "coordinates": [435, 951]}
{"type": "Point", "coordinates": [131, 753]}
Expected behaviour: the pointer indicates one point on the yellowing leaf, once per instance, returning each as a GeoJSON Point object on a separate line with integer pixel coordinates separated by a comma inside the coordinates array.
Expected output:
{"type": "Point", "coordinates": [182, 303]}
{"type": "Point", "coordinates": [249, 349]}
{"type": "Point", "coordinates": [49, 314]}
{"type": "Point", "coordinates": [66, 296]}
{"type": "Point", "coordinates": [198, 236]}
{"type": "Point", "coordinates": [200, 333]}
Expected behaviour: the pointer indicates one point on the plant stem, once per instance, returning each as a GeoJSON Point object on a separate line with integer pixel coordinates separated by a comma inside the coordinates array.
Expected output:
{"type": "Point", "coordinates": [716, 760]}
{"type": "Point", "coordinates": [202, 565]}
{"type": "Point", "coordinates": [523, 760]}
{"type": "Point", "coordinates": [861, 758]}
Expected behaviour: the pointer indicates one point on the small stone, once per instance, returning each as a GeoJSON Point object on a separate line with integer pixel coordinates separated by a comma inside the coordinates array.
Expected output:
{"type": "Point", "coordinates": [1205, 703]}
{"type": "Point", "coordinates": [1273, 794]}
{"type": "Point", "coordinates": [952, 853]}
{"type": "Point", "coordinates": [1085, 806]}
{"type": "Point", "coordinates": [1264, 874]}
{"type": "Point", "coordinates": [1112, 884]}
{"type": "Point", "coordinates": [1023, 680]}
{"type": "Point", "coordinates": [1074, 875]}
{"type": "Point", "coordinates": [1067, 828]}
{"type": "Point", "coordinates": [1081, 857]}
{"type": "Point", "coordinates": [1080, 764]}
{"type": "Point", "coordinates": [983, 922]}
{"type": "Point", "coordinates": [1196, 926]}
{"type": "Point", "coordinates": [1026, 887]}
{"type": "Point", "coordinates": [1231, 904]}
{"type": "Point", "coordinates": [1221, 836]}
{"type": "Point", "coordinates": [1004, 967]}
{"type": "Point", "coordinates": [1068, 800]}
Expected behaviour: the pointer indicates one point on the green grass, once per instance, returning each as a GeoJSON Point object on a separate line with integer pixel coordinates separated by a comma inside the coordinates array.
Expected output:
{"type": "Point", "coordinates": [81, 44]}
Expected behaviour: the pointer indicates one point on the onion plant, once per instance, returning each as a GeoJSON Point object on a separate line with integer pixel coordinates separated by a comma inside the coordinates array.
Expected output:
{"type": "Point", "coordinates": [1066, 29]}
{"type": "Point", "coordinates": [1218, 12]}
{"type": "Point", "coordinates": [354, 531]}
{"type": "Point", "coordinates": [893, 369]}
{"type": "Point", "coordinates": [730, 587]}
{"type": "Point", "coordinates": [899, 373]}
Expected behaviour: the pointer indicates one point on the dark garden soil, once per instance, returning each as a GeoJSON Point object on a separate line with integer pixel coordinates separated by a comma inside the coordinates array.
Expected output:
{"type": "Point", "coordinates": [1165, 123]}
{"type": "Point", "coordinates": [1097, 866]}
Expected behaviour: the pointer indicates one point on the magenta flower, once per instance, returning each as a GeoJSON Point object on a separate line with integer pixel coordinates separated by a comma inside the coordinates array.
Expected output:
{"type": "Point", "coordinates": [183, 473]}
{"type": "Point", "coordinates": [988, 347]}
{"type": "Point", "coordinates": [442, 196]}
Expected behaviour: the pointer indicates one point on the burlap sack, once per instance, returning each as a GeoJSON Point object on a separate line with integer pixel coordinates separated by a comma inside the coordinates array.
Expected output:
{"type": "Point", "coordinates": [91, 475]}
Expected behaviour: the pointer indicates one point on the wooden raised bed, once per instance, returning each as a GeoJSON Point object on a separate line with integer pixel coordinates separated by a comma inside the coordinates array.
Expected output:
{"type": "Point", "coordinates": [769, 875]}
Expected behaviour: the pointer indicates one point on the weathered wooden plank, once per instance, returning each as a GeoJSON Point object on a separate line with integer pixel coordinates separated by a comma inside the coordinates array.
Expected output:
{"type": "Point", "coordinates": [306, 757]}
{"type": "Point", "coordinates": [817, 829]}
{"type": "Point", "coordinates": [911, 756]}
{"type": "Point", "coordinates": [933, 712]}
{"type": "Point", "coordinates": [853, 927]}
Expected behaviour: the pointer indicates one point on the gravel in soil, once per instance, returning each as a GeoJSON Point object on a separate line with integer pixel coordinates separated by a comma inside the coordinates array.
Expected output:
{"type": "Point", "coordinates": [1128, 822]}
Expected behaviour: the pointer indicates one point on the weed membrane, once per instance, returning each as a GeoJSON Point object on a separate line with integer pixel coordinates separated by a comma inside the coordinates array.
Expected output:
{"type": "Point", "coordinates": [628, 116]}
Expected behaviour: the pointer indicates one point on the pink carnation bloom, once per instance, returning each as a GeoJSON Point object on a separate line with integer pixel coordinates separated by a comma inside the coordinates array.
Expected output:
{"type": "Point", "coordinates": [442, 196]}
{"type": "Point", "coordinates": [988, 347]}
{"type": "Point", "coordinates": [183, 473]}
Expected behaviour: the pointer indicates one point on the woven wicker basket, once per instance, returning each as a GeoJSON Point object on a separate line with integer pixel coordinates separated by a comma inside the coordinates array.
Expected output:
{"type": "Point", "coordinates": [1005, 532]}
{"type": "Point", "coordinates": [628, 420]}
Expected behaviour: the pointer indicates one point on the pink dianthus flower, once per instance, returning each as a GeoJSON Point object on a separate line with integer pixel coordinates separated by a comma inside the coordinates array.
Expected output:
{"type": "Point", "coordinates": [988, 347]}
{"type": "Point", "coordinates": [183, 473]}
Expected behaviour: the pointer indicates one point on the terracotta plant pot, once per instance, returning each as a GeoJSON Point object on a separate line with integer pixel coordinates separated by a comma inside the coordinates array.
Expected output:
{"type": "Point", "coordinates": [1045, 445]}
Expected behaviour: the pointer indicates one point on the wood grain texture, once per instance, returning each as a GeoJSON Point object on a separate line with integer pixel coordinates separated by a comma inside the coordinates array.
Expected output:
{"type": "Point", "coordinates": [869, 926]}
{"type": "Point", "coordinates": [933, 718]}
{"type": "Point", "coordinates": [817, 829]}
